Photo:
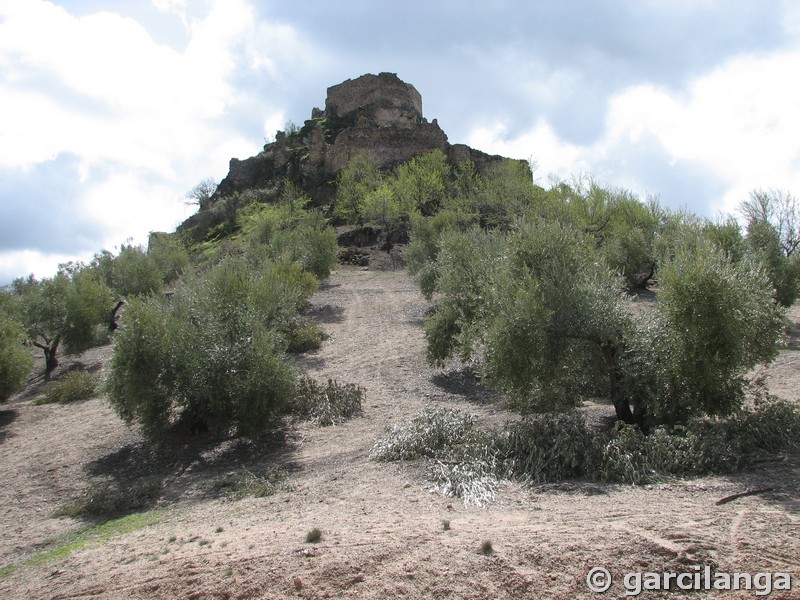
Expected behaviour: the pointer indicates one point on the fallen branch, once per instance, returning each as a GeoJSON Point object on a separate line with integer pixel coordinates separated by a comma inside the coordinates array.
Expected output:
{"type": "Point", "coordinates": [733, 497]}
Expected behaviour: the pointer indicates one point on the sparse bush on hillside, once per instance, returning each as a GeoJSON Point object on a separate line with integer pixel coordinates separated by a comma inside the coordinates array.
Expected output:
{"type": "Point", "coordinates": [134, 273]}
{"type": "Point", "coordinates": [726, 235]}
{"type": "Point", "coordinates": [715, 321]}
{"type": "Point", "coordinates": [75, 386]}
{"type": "Point", "coordinates": [359, 178]}
{"type": "Point", "coordinates": [467, 261]}
{"type": "Point", "coordinates": [279, 234]}
{"type": "Point", "coordinates": [763, 243]}
{"type": "Point", "coordinates": [327, 405]}
{"type": "Point", "coordinates": [547, 317]}
{"type": "Point", "coordinates": [304, 334]}
{"type": "Point", "coordinates": [423, 250]}
{"type": "Point", "coordinates": [170, 254]}
{"type": "Point", "coordinates": [15, 360]}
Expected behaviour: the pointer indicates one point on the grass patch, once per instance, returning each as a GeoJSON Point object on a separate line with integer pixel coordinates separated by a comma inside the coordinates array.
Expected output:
{"type": "Point", "coordinates": [326, 405]}
{"type": "Point", "coordinates": [75, 386]}
{"type": "Point", "coordinates": [97, 534]}
{"type": "Point", "coordinates": [486, 548]}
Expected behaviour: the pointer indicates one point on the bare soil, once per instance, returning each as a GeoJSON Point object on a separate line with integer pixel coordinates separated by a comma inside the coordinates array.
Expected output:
{"type": "Point", "coordinates": [382, 525]}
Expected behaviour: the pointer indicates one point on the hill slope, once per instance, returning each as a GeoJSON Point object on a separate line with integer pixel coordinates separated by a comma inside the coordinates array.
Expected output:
{"type": "Point", "coordinates": [382, 531]}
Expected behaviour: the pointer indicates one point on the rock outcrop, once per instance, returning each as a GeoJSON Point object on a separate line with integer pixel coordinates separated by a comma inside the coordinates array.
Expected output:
{"type": "Point", "coordinates": [379, 114]}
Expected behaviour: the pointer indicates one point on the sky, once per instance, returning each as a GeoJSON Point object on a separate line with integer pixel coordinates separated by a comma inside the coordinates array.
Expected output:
{"type": "Point", "coordinates": [110, 111]}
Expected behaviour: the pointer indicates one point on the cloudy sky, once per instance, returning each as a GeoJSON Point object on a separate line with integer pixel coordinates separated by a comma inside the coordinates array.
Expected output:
{"type": "Point", "coordinates": [111, 110]}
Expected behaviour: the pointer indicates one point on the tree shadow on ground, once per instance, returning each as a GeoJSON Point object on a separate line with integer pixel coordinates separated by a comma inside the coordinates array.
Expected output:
{"type": "Point", "coordinates": [793, 335]}
{"type": "Point", "coordinates": [142, 475]}
{"type": "Point", "coordinates": [6, 418]}
{"type": "Point", "coordinates": [325, 313]}
{"type": "Point", "coordinates": [774, 479]}
{"type": "Point", "coordinates": [465, 383]}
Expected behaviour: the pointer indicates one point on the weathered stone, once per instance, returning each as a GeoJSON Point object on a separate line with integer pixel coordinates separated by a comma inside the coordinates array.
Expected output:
{"type": "Point", "coordinates": [379, 114]}
{"type": "Point", "coordinates": [382, 100]}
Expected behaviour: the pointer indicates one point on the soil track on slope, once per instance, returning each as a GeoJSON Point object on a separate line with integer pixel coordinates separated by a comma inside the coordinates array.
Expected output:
{"type": "Point", "coordinates": [382, 532]}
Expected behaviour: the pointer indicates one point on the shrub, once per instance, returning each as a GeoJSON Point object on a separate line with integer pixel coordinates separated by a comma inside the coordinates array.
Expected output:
{"type": "Point", "coordinates": [75, 386]}
{"type": "Point", "coordinates": [548, 318]}
{"type": "Point", "coordinates": [764, 245]}
{"type": "Point", "coordinates": [359, 178]}
{"type": "Point", "coordinates": [549, 447]}
{"type": "Point", "coordinates": [329, 405]}
{"type": "Point", "coordinates": [423, 250]}
{"type": "Point", "coordinates": [305, 334]}
{"type": "Point", "coordinates": [66, 308]}
{"type": "Point", "coordinates": [169, 254]}
{"type": "Point", "coordinates": [716, 320]}
{"type": "Point", "coordinates": [277, 234]}
{"type": "Point", "coordinates": [213, 355]}
{"type": "Point", "coordinates": [468, 262]}
{"type": "Point", "coordinates": [135, 273]}
{"type": "Point", "coordinates": [15, 360]}
{"type": "Point", "coordinates": [313, 536]}
{"type": "Point", "coordinates": [428, 434]}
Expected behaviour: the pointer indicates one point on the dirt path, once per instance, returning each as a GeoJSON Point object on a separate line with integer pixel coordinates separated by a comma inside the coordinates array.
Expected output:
{"type": "Point", "coordinates": [382, 531]}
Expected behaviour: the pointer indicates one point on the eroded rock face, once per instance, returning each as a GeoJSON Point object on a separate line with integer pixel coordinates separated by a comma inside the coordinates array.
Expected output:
{"type": "Point", "coordinates": [379, 114]}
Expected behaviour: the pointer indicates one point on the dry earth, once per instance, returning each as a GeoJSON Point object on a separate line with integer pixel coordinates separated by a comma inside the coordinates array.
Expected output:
{"type": "Point", "coordinates": [382, 526]}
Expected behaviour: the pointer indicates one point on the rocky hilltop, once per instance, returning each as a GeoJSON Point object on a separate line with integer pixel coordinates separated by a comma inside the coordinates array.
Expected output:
{"type": "Point", "coordinates": [380, 114]}
{"type": "Point", "coordinates": [377, 113]}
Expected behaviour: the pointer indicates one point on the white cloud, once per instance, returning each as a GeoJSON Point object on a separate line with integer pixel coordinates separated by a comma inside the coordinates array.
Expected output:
{"type": "Point", "coordinates": [144, 120]}
{"type": "Point", "coordinates": [38, 263]}
{"type": "Point", "coordinates": [739, 123]}
{"type": "Point", "coordinates": [552, 155]}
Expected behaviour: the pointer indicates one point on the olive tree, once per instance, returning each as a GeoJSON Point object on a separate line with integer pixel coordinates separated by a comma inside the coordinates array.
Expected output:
{"type": "Point", "coordinates": [549, 320]}
{"type": "Point", "coordinates": [67, 308]}
{"type": "Point", "coordinates": [212, 356]}
{"type": "Point", "coordinates": [15, 360]}
{"type": "Point", "coordinates": [715, 321]}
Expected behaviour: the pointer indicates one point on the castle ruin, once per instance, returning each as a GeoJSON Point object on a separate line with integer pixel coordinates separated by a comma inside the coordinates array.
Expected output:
{"type": "Point", "coordinates": [378, 114]}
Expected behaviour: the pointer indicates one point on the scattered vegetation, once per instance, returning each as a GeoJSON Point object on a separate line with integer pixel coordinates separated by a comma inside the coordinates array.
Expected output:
{"type": "Point", "coordinates": [331, 404]}
{"type": "Point", "coordinates": [72, 387]}
{"type": "Point", "coordinates": [15, 360]}
{"type": "Point", "coordinates": [96, 534]}
{"type": "Point", "coordinates": [70, 308]}
{"type": "Point", "coordinates": [313, 536]}
{"type": "Point", "coordinates": [103, 502]}
{"type": "Point", "coordinates": [554, 447]}
{"type": "Point", "coordinates": [244, 483]}
{"type": "Point", "coordinates": [211, 357]}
